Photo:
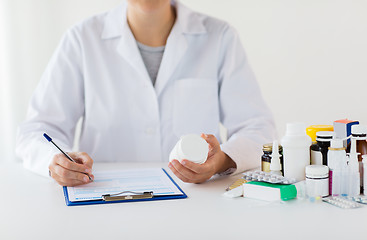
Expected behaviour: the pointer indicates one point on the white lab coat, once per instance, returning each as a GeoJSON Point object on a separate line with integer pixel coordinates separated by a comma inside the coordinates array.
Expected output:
{"type": "Point", "coordinates": [97, 73]}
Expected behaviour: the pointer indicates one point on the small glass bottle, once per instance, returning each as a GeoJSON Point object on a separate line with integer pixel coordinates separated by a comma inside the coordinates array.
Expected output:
{"type": "Point", "coordinates": [266, 157]}
{"type": "Point", "coordinates": [320, 149]}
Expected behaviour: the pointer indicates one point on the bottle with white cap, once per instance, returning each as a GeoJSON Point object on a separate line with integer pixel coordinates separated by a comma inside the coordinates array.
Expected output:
{"type": "Point", "coordinates": [359, 133]}
{"type": "Point", "coordinates": [275, 166]}
{"type": "Point", "coordinates": [191, 147]}
{"type": "Point", "coordinates": [296, 151]}
{"type": "Point", "coordinates": [337, 163]}
{"type": "Point", "coordinates": [353, 179]}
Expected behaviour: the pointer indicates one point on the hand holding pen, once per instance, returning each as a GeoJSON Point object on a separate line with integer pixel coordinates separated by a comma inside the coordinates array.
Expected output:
{"type": "Point", "coordinates": [70, 169]}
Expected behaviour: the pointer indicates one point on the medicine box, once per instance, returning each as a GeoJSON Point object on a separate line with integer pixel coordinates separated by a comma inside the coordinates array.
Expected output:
{"type": "Point", "coordinates": [343, 129]}
{"type": "Point", "coordinates": [268, 191]}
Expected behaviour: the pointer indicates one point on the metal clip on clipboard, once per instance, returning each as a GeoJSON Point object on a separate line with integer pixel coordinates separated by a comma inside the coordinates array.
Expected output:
{"type": "Point", "coordinates": [132, 195]}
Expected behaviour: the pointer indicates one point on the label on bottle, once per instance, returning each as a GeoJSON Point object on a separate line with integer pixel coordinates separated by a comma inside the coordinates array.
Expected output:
{"type": "Point", "coordinates": [316, 157]}
{"type": "Point", "coordinates": [265, 166]}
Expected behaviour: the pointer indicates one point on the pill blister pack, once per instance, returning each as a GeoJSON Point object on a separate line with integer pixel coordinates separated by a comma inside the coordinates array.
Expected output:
{"type": "Point", "coordinates": [341, 202]}
{"type": "Point", "coordinates": [362, 200]}
{"type": "Point", "coordinates": [268, 177]}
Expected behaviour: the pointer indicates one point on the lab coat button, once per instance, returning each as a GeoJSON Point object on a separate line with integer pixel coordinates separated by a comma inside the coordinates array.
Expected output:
{"type": "Point", "coordinates": [150, 131]}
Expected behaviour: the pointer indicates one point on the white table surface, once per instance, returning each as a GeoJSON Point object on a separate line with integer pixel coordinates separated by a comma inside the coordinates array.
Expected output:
{"type": "Point", "coordinates": [33, 207]}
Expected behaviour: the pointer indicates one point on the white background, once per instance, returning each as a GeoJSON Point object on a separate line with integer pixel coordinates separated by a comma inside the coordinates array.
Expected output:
{"type": "Point", "coordinates": [309, 56]}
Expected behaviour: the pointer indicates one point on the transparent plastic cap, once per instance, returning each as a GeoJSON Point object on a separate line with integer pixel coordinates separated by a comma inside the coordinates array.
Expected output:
{"type": "Point", "coordinates": [337, 143]}
{"type": "Point", "coordinates": [296, 129]}
{"type": "Point", "coordinates": [359, 129]}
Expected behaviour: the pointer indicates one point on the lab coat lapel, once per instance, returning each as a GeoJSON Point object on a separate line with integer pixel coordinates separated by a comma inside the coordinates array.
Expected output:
{"type": "Point", "coordinates": [187, 23]}
{"type": "Point", "coordinates": [176, 47]}
{"type": "Point", "coordinates": [128, 49]}
{"type": "Point", "coordinates": [116, 26]}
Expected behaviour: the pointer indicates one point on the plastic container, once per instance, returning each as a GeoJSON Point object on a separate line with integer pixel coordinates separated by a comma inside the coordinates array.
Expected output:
{"type": "Point", "coordinates": [354, 181]}
{"type": "Point", "coordinates": [317, 181]}
{"type": "Point", "coordinates": [320, 149]}
{"type": "Point", "coordinates": [296, 151]}
{"type": "Point", "coordinates": [191, 147]}
{"type": "Point", "coordinates": [275, 165]}
{"type": "Point", "coordinates": [337, 163]}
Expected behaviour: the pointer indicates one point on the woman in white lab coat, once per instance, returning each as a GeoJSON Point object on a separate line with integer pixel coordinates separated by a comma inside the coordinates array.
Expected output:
{"type": "Point", "coordinates": [140, 76]}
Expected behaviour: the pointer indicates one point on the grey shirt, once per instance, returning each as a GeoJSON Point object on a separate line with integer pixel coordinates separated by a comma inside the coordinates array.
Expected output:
{"type": "Point", "coordinates": [152, 58]}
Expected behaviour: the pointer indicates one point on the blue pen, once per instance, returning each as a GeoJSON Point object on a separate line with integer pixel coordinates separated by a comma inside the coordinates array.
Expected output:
{"type": "Point", "coordinates": [66, 155]}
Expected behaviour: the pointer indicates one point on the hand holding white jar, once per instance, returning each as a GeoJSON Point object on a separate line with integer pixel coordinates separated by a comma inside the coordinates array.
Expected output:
{"type": "Point", "coordinates": [207, 154]}
{"type": "Point", "coordinates": [191, 147]}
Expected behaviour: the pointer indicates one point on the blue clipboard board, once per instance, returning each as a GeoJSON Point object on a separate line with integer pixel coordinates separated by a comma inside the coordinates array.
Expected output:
{"type": "Point", "coordinates": [100, 201]}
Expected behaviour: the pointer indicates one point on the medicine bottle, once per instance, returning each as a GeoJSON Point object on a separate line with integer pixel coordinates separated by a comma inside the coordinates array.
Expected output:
{"type": "Point", "coordinates": [317, 181]}
{"type": "Point", "coordinates": [337, 163]}
{"type": "Point", "coordinates": [296, 151]}
{"type": "Point", "coordinates": [266, 158]}
{"type": "Point", "coordinates": [359, 132]}
{"type": "Point", "coordinates": [320, 149]}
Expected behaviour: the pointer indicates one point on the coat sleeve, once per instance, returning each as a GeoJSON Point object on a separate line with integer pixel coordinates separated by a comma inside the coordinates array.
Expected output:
{"type": "Point", "coordinates": [55, 107]}
{"type": "Point", "coordinates": [243, 112]}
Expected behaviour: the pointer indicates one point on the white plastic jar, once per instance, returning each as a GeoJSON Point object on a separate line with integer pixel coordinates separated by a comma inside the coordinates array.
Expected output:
{"type": "Point", "coordinates": [191, 147]}
{"type": "Point", "coordinates": [317, 181]}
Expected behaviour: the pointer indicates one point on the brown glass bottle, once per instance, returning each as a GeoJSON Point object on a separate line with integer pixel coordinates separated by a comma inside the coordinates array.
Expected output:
{"type": "Point", "coordinates": [359, 132]}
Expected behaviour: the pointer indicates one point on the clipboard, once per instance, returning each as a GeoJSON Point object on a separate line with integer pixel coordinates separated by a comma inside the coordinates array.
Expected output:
{"type": "Point", "coordinates": [135, 197]}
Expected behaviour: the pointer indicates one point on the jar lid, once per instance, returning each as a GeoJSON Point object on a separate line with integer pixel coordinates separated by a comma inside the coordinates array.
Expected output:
{"type": "Point", "coordinates": [324, 136]}
{"type": "Point", "coordinates": [193, 148]}
{"type": "Point", "coordinates": [317, 171]}
{"type": "Point", "coordinates": [268, 147]}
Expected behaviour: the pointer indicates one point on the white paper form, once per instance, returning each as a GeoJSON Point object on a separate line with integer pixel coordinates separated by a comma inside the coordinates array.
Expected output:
{"type": "Point", "coordinates": [115, 181]}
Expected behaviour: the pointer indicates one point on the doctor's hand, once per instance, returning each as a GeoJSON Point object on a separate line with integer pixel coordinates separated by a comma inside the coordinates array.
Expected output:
{"type": "Point", "coordinates": [217, 162]}
{"type": "Point", "coordinates": [68, 173]}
